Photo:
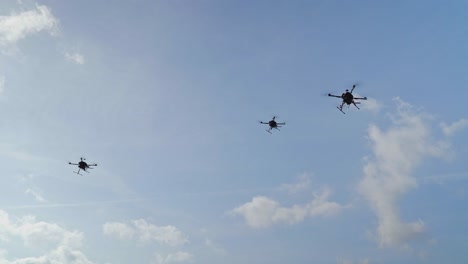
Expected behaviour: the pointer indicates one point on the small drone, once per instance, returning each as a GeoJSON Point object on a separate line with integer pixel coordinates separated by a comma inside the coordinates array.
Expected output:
{"type": "Point", "coordinates": [273, 124]}
{"type": "Point", "coordinates": [348, 98]}
{"type": "Point", "coordinates": [82, 165]}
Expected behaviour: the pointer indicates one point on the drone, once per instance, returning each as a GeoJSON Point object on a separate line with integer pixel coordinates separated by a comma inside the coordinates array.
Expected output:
{"type": "Point", "coordinates": [348, 98]}
{"type": "Point", "coordinates": [82, 165]}
{"type": "Point", "coordinates": [273, 124]}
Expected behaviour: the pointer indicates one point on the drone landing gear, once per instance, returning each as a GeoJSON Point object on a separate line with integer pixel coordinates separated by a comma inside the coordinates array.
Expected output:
{"type": "Point", "coordinates": [78, 172]}
{"type": "Point", "coordinates": [340, 109]}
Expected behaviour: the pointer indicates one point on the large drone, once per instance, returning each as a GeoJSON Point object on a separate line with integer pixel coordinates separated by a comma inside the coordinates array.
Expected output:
{"type": "Point", "coordinates": [272, 124]}
{"type": "Point", "coordinates": [348, 99]}
{"type": "Point", "coordinates": [82, 165]}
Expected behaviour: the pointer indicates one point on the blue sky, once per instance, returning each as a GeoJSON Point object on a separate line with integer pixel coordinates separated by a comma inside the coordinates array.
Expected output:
{"type": "Point", "coordinates": [165, 96]}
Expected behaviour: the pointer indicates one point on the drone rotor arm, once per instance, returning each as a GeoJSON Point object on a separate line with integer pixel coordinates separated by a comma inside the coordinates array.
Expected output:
{"type": "Point", "coordinates": [360, 98]}
{"type": "Point", "coordinates": [284, 123]}
{"type": "Point", "coordinates": [331, 95]}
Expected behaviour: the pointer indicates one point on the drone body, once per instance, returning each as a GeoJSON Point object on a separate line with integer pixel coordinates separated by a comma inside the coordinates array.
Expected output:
{"type": "Point", "coordinates": [82, 165]}
{"type": "Point", "coordinates": [348, 98]}
{"type": "Point", "coordinates": [272, 124]}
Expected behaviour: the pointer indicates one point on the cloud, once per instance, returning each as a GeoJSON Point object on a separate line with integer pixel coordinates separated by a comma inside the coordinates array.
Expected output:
{"type": "Point", "coordinates": [82, 204]}
{"type": "Point", "coordinates": [36, 233]}
{"type": "Point", "coordinates": [263, 212]}
{"type": "Point", "coordinates": [371, 105]}
{"type": "Point", "coordinates": [178, 257]}
{"type": "Point", "coordinates": [301, 185]}
{"type": "Point", "coordinates": [65, 244]}
{"type": "Point", "coordinates": [36, 194]}
{"type": "Point", "coordinates": [451, 129]}
{"type": "Point", "coordinates": [144, 231]}
{"type": "Point", "coordinates": [18, 26]}
{"type": "Point", "coordinates": [2, 84]}
{"type": "Point", "coordinates": [62, 255]}
{"type": "Point", "coordinates": [215, 248]}
{"type": "Point", "coordinates": [31, 188]}
{"type": "Point", "coordinates": [347, 261]}
{"type": "Point", "coordinates": [387, 174]}
{"type": "Point", "coordinates": [120, 230]}
{"type": "Point", "coordinates": [75, 58]}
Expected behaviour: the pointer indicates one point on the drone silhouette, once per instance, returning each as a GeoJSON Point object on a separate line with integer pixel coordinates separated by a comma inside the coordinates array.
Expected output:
{"type": "Point", "coordinates": [348, 99]}
{"type": "Point", "coordinates": [82, 165]}
{"type": "Point", "coordinates": [272, 124]}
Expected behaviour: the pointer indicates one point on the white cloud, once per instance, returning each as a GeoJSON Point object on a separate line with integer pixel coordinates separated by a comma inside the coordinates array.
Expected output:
{"type": "Point", "coordinates": [18, 26]}
{"type": "Point", "coordinates": [263, 212]}
{"type": "Point", "coordinates": [215, 248]}
{"type": "Point", "coordinates": [387, 175]}
{"type": "Point", "coordinates": [451, 129]}
{"type": "Point", "coordinates": [145, 231]}
{"type": "Point", "coordinates": [178, 257]}
{"type": "Point", "coordinates": [347, 261]}
{"type": "Point", "coordinates": [36, 233]}
{"type": "Point", "coordinates": [36, 194]}
{"type": "Point", "coordinates": [163, 234]}
{"type": "Point", "coordinates": [61, 255]}
{"type": "Point", "coordinates": [121, 230]}
{"type": "Point", "coordinates": [65, 244]}
{"type": "Point", "coordinates": [301, 185]}
{"type": "Point", "coordinates": [31, 188]}
{"type": "Point", "coordinates": [2, 84]}
{"type": "Point", "coordinates": [371, 105]}
{"type": "Point", "coordinates": [75, 58]}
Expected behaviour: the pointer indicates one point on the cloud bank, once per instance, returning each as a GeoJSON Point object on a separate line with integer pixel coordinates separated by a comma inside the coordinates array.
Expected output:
{"type": "Point", "coordinates": [178, 257]}
{"type": "Point", "coordinates": [146, 232]}
{"type": "Point", "coordinates": [264, 212]}
{"type": "Point", "coordinates": [18, 26]}
{"type": "Point", "coordinates": [388, 172]}
{"type": "Point", "coordinates": [64, 245]}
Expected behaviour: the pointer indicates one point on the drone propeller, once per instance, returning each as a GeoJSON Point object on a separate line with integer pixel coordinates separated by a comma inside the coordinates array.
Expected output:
{"type": "Point", "coordinates": [356, 84]}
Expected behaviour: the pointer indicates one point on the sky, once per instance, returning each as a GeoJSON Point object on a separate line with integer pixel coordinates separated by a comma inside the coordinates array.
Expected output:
{"type": "Point", "coordinates": [166, 97]}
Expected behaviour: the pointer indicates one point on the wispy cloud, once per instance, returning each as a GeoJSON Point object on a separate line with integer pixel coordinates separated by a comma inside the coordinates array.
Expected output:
{"type": "Point", "coordinates": [2, 84]}
{"type": "Point", "coordinates": [36, 194]}
{"type": "Point", "coordinates": [82, 204]}
{"type": "Point", "coordinates": [371, 105]}
{"type": "Point", "coordinates": [348, 261]}
{"type": "Point", "coordinates": [302, 184]}
{"type": "Point", "coordinates": [75, 58]}
{"type": "Point", "coordinates": [451, 129]}
{"type": "Point", "coordinates": [31, 188]}
{"type": "Point", "coordinates": [387, 174]}
{"type": "Point", "coordinates": [18, 26]}
{"type": "Point", "coordinates": [264, 212]}
{"type": "Point", "coordinates": [447, 177]}
{"type": "Point", "coordinates": [215, 247]}
{"type": "Point", "coordinates": [177, 257]}
{"type": "Point", "coordinates": [144, 231]}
